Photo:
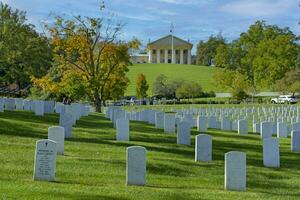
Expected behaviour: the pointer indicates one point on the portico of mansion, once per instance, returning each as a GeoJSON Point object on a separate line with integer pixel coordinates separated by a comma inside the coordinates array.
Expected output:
{"type": "Point", "coordinates": [160, 51]}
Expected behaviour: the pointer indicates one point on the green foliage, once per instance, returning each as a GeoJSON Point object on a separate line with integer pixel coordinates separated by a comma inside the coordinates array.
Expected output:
{"type": "Point", "coordinates": [37, 94]}
{"type": "Point", "coordinates": [240, 95]}
{"type": "Point", "coordinates": [290, 83]}
{"type": "Point", "coordinates": [235, 82]}
{"type": "Point", "coordinates": [74, 88]}
{"type": "Point", "coordinates": [206, 51]}
{"type": "Point", "coordinates": [189, 90]}
{"type": "Point", "coordinates": [162, 87]}
{"type": "Point", "coordinates": [263, 54]}
{"type": "Point", "coordinates": [141, 86]}
{"type": "Point", "coordinates": [24, 52]}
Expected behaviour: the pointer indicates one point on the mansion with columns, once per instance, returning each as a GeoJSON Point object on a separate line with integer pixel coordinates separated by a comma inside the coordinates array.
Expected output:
{"type": "Point", "coordinates": [160, 51]}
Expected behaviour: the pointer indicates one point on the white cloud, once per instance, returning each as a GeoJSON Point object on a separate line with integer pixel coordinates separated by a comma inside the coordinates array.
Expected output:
{"type": "Point", "coordinates": [261, 8]}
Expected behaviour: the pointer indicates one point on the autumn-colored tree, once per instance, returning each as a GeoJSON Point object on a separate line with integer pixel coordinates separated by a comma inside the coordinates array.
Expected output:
{"type": "Point", "coordinates": [89, 48]}
{"type": "Point", "coordinates": [141, 86]}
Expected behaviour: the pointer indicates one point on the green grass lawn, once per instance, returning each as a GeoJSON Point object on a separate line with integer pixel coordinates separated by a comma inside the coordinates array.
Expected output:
{"type": "Point", "coordinates": [93, 166]}
{"type": "Point", "coordinates": [201, 74]}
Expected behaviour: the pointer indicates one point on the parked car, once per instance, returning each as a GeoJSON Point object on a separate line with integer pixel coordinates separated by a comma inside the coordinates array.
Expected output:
{"type": "Point", "coordinates": [285, 99]}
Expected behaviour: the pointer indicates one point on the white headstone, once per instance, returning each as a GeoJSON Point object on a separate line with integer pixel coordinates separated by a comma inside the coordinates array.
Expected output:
{"type": "Point", "coordinates": [282, 130]}
{"type": "Point", "coordinates": [19, 104]}
{"type": "Point", "coordinates": [122, 126]}
{"type": "Point", "coordinates": [271, 152]}
{"type": "Point", "coordinates": [256, 127]}
{"type": "Point", "coordinates": [296, 127]}
{"type": "Point", "coordinates": [39, 108]}
{"type": "Point", "coordinates": [266, 129]}
{"type": "Point", "coordinates": [212, 122]}
{"type": "Point", "coordinates": [295, 141]}
{"type": "Point", "coordinates": [242, 127]}
{"type": "Point", "coordinates": [159, 120]}
{"type": "Point", "coordinates": [203, 148]}
{"type": "Point", "coordinates": [136, 166]}
{"type": "Point", "coordinates": [184, 133]}
{"type": "Point", "coordinates": [169, 123]}
{"type": "Point", "coordinates": [1, 105]}
{"type": "Point", "coordinates": [201, 124]}
{"type": "Point", "coordinates": [45, 160]}
{"type": "Point", "coordinates": [235, 171]}
{"type": "Point", "coordinates": [49, 106]}
{"type": "Point", "coordinates": [226, 124]}
{"type": "Point", "coordinates": [28, 105]}
{"type": "Point", "coordinates": [9, 104]}
{"type": "Point", "coordinates": [57, 134]}
{"type": "Point", "coordinates": [66, 121]}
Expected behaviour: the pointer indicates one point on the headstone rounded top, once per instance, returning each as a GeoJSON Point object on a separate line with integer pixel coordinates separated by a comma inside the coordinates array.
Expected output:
{"type": "Point", "coordinates": [136, 147]}
{"type": "Point", "coordinates": [204, 135]}
{"type": "Point", "coordinates": [233, 153]}
{"type": "Point", "coordinates": [47, 142]}
{"type": "Point", "coordinates": [55, 128]}
{"type": "Point", "coordinates": [184, 123]}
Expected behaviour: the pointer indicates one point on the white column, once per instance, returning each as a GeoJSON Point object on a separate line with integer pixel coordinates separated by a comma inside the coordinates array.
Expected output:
{"type": "Point", "coordinates": [158, 56]}
{"type": "Point", "coordinates": [166, 55]}
{"type": "Point", "coordinates": [173, 56]}
{"type": "Point", "coordinates": [189, 58]}
{"type": "Point", "coordinates": [150, 56]}
{"type": "Point", "coordinates": [181, 56]}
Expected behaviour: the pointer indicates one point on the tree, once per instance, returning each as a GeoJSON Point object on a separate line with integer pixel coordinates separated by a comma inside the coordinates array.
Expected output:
{"type": "Point", "coordinates": [164, 88]}
{"type": "Point", "coordinates": [89, 47]}
{"type": "Point", "coordinates": [24, 52]}
{"type": "Point", "coordinates": [263, 54]}
{"type": "Point", "coordinates": [189, 90]}
{"type": "Point", "coordinates": [141, 86]}
{"type": "Point", "coordinates": [206, 51]}
{"type": "Point", "coordinates": [290, 83]}
{"type": "Point", "coordinates": [160, 85]}
{"type": "Point", "coordinates": [231, 80]}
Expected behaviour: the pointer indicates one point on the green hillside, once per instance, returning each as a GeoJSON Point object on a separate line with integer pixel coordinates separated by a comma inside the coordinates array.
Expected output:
{"type": "Point", "coordinates": [201, 74]}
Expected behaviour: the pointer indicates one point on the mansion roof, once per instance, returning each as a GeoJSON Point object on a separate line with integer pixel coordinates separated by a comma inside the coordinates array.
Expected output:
{"type": "Point", "coordinates": [166, 43]}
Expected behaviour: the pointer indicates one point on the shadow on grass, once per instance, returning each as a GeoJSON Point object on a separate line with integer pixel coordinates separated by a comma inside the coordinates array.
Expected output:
{"type": "Point", "coordinates": [21, 130]}
{"type": "Point", "coordinates": [27, 116]}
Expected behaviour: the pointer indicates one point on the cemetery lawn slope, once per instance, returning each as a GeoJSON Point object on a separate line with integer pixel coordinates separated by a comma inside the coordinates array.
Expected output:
{"type": "Point", "coordinates": [93, 166]}
{"type": "Point", "coordinates": [200, 74]}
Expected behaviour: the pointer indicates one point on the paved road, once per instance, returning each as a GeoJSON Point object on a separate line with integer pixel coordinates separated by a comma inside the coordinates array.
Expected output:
{"type": "Point", "coordinates": [261, 94]}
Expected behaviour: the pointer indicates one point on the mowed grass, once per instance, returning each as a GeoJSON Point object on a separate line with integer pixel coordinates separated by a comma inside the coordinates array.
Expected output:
{"type": "Point", "coordinates": [93, 166]}
{"type": "Point", "coordinates": [200, 74]}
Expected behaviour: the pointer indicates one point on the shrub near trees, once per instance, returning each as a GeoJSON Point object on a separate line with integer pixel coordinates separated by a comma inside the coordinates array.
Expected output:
{"type": "Point", "coordinates": [178, 89]}
{"type": "Point", "coordinates": [189, 90]}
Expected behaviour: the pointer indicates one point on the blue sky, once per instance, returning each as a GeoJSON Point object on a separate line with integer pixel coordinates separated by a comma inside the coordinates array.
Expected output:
{"type": "Point", "coordinates": [194, 20]}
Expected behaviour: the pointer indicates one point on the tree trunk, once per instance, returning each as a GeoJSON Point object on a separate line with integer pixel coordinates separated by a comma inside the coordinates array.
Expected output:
{"type": "Point", "coordinates": [97, 101]}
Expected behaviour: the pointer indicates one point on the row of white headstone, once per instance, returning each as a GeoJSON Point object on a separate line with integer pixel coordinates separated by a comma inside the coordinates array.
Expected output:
{"type": "Point", "coordinates": [203, 145]}
{"type": "Point", "coordinates": [40, 107]}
